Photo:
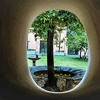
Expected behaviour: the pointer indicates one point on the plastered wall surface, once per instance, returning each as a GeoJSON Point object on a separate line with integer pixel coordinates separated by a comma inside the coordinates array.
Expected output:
{"type": "Point", "coordinates": [16, 17]}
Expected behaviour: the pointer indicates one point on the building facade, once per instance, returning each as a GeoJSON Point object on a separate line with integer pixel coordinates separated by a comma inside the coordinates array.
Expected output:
{"type": "Point", "coordinates": [60, 48]}
{"type": "Point", "coordinates": [40, 45]}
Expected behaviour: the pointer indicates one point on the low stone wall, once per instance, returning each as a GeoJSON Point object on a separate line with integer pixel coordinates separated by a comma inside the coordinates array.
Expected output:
{"type": "Point", "coordinates": [62, 84]}
{"type": "Point", "coordinates": [79, 73]}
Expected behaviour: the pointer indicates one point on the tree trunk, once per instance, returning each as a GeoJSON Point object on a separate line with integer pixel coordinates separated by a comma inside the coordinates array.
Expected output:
{"type": "Point", "coordinates": [50, 59]}
{"type": "Point", "coordinates": [80, 54]}
{"type": "Point", "coordinates": [85, 51]}
{"type": "Point", "coordinates": [59, 41]}
{"type": "Point", "coordinates": [59, 47]}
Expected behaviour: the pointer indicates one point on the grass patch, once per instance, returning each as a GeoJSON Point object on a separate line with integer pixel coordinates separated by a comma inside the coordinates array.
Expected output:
{"type": "Point", "coordinates": [62, 61]}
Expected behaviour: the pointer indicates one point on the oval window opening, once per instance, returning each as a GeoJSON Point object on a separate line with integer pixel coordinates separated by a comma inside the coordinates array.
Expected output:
{"type": "Point", "coordinates": [57, 50]}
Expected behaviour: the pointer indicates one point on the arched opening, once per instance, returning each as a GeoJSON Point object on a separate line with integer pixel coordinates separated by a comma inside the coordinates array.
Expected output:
{"type": "Point", "coordinates": [64, 61]}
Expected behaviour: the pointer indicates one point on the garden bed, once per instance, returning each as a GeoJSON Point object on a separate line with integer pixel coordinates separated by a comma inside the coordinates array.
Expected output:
{"type": "Point", "coordinates": [66, 77]}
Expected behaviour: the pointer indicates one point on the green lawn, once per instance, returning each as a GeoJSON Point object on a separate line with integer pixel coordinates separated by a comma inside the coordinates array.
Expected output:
{"type": "Point", "coordinates": [62, 61]}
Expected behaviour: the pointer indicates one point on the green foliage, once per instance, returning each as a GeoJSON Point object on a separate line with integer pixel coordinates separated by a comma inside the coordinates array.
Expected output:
{"type": "Point", "coordinates": [60, 18]}
{"type": "Point", "coordinates": [78, 40]}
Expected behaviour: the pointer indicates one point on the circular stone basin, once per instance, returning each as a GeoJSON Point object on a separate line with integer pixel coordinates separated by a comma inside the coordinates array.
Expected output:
{"type": "Point", "coordinates": [66, 77]}
{"type": "Point", "coordinates": [57, 73]}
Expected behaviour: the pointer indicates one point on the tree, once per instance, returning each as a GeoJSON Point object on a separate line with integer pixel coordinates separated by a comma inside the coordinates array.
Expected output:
{"type": "Point", "coordinates": [45, 25]}
{"type": "Point", "coordinates": [78, 40]}
{"type": "Point", "coordinates": [57, 37]}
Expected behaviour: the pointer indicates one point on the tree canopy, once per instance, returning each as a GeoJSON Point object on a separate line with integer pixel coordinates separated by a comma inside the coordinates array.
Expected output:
{"type": "Point", "coordinates": [60, 18]}
{"type": "Point", "coordinates": [78, 40]}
